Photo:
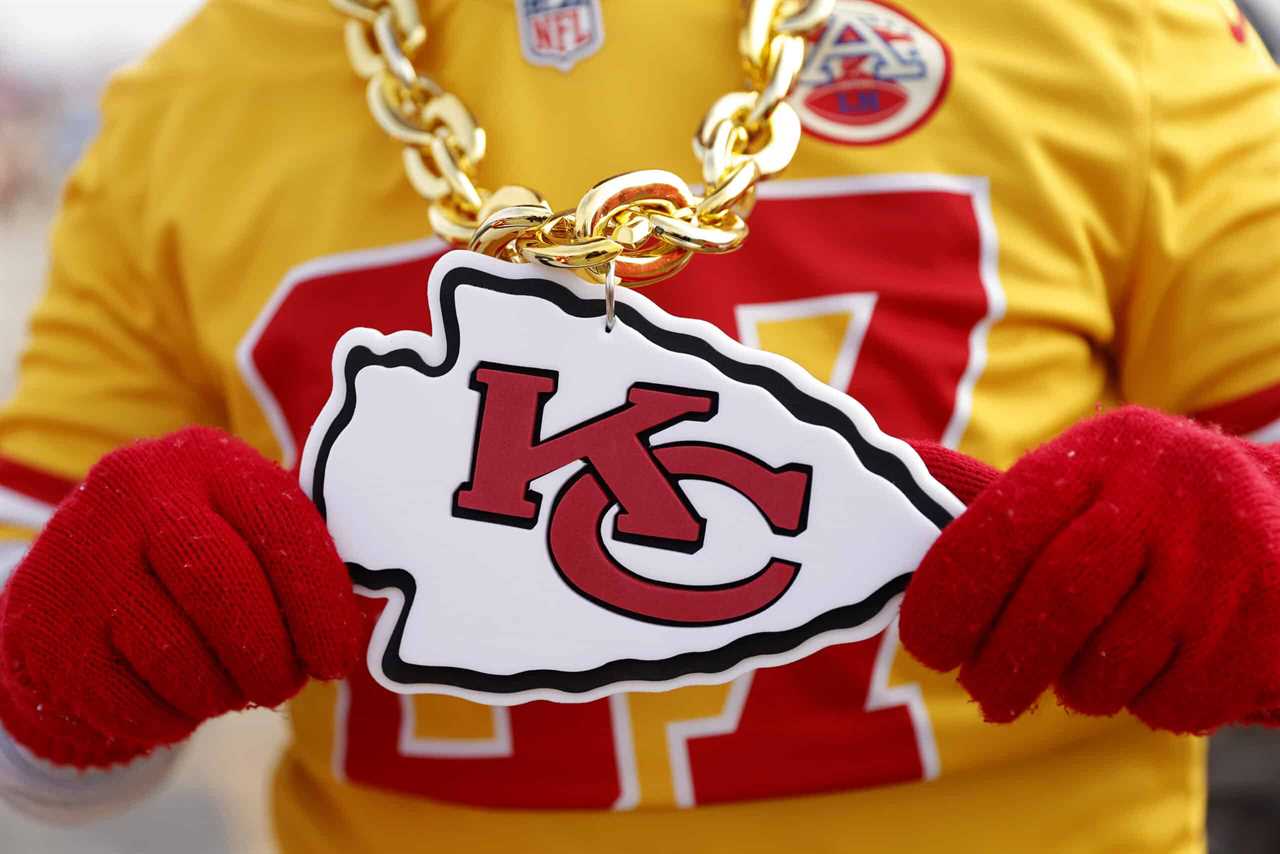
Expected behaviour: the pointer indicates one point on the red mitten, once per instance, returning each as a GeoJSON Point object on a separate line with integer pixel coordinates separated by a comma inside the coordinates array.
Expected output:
{"type": "Point", "coordinates": [1134, 562]}
{"type": "Point", "coordinates": [187, 577]}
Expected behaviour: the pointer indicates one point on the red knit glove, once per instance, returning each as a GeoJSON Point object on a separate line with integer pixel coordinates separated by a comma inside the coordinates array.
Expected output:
{"type": "Point", "coordinates": [1134, 562]}
{"type": "Point", "coordinates": [187, 577]}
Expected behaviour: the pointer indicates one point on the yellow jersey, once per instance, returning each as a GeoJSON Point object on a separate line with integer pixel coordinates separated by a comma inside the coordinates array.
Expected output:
{"type": "Point", "coordinates": [1002, 216]}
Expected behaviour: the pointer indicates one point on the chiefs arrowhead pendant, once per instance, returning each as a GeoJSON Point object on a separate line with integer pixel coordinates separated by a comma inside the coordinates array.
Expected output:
{"type": "Point", "coordinates": [556, 511]}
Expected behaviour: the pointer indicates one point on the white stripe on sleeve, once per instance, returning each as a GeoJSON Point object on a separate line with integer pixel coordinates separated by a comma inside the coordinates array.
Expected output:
{"type": "Point", "coordinates": [21, 510]}
{"type": "Point", "coordinates": [69, 796]}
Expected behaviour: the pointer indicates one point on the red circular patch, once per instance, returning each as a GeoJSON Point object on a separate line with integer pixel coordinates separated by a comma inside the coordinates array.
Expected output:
{"type": "Point", "coordinates": [873, 73]}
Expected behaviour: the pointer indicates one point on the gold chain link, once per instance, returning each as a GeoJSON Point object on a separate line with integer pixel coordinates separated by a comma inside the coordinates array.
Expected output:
{"type": "Point", "coordinates": [647, 224]}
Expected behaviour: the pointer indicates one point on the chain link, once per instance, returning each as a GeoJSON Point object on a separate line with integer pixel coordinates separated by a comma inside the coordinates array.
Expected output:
{"type": "Point", "coordinates": [640, 226]}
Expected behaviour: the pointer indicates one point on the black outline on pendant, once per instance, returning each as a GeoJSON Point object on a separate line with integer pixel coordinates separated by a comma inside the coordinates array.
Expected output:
{"type": "Point", "coordinates": [802, 406]}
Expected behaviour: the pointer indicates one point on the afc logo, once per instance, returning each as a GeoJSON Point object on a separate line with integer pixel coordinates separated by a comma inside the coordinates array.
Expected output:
{"type": "Point", "coordinates": [872, 74]}
{"type": "Point", "coordinates": [623, 468]}
{"type": "Point", "coordinates": [559, 33]}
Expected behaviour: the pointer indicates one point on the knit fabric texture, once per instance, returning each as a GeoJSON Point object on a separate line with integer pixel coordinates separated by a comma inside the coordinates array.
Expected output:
{"type": "Point", "coordinates": [187, 576]}
{"type": "Point", "coordinates": [1130, 563]}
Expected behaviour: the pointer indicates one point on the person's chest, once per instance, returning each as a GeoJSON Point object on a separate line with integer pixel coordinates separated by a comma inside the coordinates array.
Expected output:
{"type": "Point", "coordinates": [949, 240]}
{"type": "Point", "coordinates": [947, 246]}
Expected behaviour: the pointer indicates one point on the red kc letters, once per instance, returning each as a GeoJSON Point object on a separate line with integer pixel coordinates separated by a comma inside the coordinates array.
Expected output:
{"type": "Point", "coordinates": [643, 480]}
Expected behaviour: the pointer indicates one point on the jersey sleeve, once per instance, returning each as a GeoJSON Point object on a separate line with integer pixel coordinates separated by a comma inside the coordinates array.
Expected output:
{"type": "Point", "coordinates": [1199, 328]}
{"type": "Point", "coordinates": [70, 796]}
{"type": "Point", "coordinates": [111, 354]}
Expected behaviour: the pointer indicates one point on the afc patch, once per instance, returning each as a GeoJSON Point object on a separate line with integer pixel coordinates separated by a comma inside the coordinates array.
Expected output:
{"type": "Point", "coordinates": [873, 74]}
{"type": "Point", "coordinates": [559, 33]}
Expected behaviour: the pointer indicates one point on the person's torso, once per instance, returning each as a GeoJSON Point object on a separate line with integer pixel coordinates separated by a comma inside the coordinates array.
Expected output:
{"type": "Point", "coordinates": [946, 247]}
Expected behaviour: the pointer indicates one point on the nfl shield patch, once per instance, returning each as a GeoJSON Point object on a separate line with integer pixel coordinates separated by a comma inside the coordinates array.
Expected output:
{"type": "Point", "coordinates": [559, 33]}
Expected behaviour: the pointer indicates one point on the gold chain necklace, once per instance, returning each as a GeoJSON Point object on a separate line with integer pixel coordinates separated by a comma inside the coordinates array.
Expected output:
{"type": "Point", "coordinates": [640, 226]}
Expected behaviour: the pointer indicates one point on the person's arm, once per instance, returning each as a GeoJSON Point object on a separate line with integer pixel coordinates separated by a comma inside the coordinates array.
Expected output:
{"type": "Point", "coordinates": [1198, 320]}
{"type": "Point", "coordinates": [109, 359]}
{"type": "Point", "coordinates": [1132, 562]}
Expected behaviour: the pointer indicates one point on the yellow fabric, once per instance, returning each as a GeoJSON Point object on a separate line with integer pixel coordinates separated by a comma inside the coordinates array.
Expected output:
{"type": "Point", "coordinates": [15, 533]}
{"type": "Point", "coordinates": [110, 354]}
{"type": "Point", "coordinates": [1194, 332]}
{"type": "Point", "coordinates": [1118, 788]}
{"type": "Point", "coordinates": [1131, 148]}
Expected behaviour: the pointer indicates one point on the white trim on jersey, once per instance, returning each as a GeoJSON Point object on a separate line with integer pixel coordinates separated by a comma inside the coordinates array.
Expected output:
{"type": "Point", "coordinates": [858, 305]}
{"type": "Point", "coordinates": [328, 265]}
{"type": "Point", "coordinates": [1266, 435]}
{"type": "Point", "coordinates": [495, 746]}
{"type": "Point", "coordinates": [679, 733]}
{"type": "Point", "coordinates": [22, 510]}
{"type": "Point", "coordinates": [978, 189]}
{"type": "Point", "coordinates": [624, 749]}
{"type": "Point", "coordinates": [990, 275]}
{"type": "Point", "coordinates": [341, 718]}
{"type": "Point", "coordinates": [882, 695]}
{"type": "Point", "coordinates": [11, 552]}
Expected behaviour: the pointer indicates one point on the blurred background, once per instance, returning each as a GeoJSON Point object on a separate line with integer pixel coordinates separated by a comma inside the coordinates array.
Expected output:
{"type": "Point", "coordinates": [55, 56]}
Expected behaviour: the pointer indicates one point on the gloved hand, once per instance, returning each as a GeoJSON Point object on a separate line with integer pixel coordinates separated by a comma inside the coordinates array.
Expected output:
{"type": "Point", "coordinates": [1133, 562]}
{"type": "Point", "coordinates": [188, 576]}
